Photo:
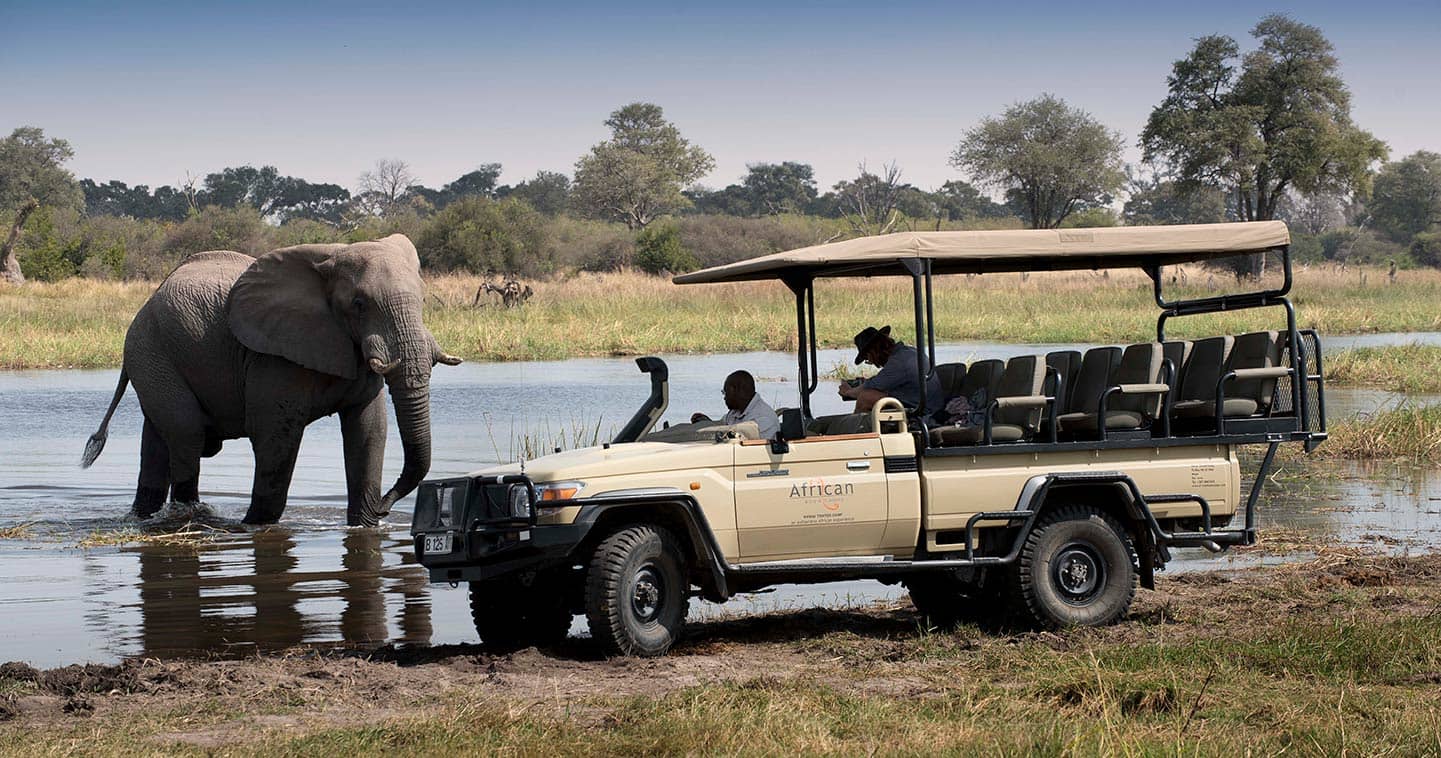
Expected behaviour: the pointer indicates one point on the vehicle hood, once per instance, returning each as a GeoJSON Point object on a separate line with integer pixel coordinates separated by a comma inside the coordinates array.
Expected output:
{"type": "Point", "coordinates": [619, 460]}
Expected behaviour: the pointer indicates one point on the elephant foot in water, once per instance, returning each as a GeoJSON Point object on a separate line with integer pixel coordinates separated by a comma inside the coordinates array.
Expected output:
{"type": "Point", "coordinates": [264, 509]}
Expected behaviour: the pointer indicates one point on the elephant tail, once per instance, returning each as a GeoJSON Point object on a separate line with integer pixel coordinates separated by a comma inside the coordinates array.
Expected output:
{"type": "Point", "coordinates": [97, 440]}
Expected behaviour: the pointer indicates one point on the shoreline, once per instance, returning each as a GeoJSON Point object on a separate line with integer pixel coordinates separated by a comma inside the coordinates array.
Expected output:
{"type": "Point", "coordinates": [1338, 651]}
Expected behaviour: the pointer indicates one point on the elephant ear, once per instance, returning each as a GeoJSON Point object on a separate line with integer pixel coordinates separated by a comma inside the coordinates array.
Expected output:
{"type": "Point", "coordinates": [406, 247]}
{"type": "Point", "coordinates": [281, 306]}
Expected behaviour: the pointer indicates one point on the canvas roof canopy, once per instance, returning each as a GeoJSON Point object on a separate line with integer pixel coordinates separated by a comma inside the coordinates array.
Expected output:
{"type": "Point", "coordinates": [981, 252]}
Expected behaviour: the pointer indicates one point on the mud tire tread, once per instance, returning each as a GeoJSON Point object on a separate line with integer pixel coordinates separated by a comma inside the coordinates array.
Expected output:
{"type": "Point", "coordinates": [508, 618]}
{"type": "Point", "coordinates": [604, 587]}
{"type": "Point", "coordinates": [1030, 609]}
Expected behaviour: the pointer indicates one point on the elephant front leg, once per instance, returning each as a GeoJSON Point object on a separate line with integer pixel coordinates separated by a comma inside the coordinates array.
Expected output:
{"type": "Point", "coordinates": [362, 430]}
{"type": "Point", "coordinates": [274, 465]}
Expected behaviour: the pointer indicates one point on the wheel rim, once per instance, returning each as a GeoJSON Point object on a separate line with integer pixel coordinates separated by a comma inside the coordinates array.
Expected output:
{"type": "Point", "coordinates": [647, 593]}
{"type": "Point", "coordinates": [1078, 573]}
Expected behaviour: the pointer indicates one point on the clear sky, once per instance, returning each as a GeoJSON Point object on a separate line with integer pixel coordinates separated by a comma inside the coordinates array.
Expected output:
{"type": "Point", "coordinates": [148, 91]}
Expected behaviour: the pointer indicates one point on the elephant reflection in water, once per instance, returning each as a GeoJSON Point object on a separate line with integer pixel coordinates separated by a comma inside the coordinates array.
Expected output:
{"type": "Point", "coordinates": [198, 601]}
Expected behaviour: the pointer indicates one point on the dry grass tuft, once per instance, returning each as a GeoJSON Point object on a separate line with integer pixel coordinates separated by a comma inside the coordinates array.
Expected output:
{"type": "Point", "coordinates": [23, 531]}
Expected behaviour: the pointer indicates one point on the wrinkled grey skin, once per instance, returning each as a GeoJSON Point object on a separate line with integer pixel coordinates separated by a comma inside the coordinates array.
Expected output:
{"type": "Point", "coordinates": [231, 346]}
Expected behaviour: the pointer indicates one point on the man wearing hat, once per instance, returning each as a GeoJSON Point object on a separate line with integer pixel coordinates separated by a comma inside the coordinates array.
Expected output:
{"type": "Point", "coordinates": [899, 376]}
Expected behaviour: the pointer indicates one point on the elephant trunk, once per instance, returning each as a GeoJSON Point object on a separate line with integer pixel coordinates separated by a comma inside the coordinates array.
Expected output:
{"type": "Point", "coordinates": [412, 417]}
{"type": "Point", "coordinates": [408, 377]}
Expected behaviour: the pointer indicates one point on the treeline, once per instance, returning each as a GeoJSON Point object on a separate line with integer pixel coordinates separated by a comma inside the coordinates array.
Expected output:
{"type": "Point", "coordinates": [1262, 135]}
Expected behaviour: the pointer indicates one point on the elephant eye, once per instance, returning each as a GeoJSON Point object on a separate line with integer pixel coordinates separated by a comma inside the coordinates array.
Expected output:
{"type": "Point", "coordinates": [358, 305]}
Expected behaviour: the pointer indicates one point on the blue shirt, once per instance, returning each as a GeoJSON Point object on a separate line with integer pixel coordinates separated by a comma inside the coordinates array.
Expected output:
{"type": "Point", "coordinates": [900, 379]}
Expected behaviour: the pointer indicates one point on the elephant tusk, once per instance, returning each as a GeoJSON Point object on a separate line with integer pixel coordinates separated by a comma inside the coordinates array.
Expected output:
{"type": "Point", "coordinates": [440, 356]}
{"type": "Point", "coordinates": [383, 368]}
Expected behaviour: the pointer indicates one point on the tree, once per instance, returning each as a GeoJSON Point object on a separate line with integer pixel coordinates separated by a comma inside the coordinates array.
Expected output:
{"type": "Point", "coordinates": [1158, 198]}
{"type": "Point", "coordinates": [773, 188]}
{"type": "Point", "coordinates": [1282, 121]}
{"type": "Point", "coordinates": [1407, 197]}
{"type": "Point", "coordinates": [275, 196]}
{"type": "Point", "coordinates": [31, 175]}
{"type": "Point", "coordinates": [959, 201]}
{"type": "Point", "coordinates": [485, 236]}
{"type": "Point", "coordinates": [1049, 158]}
{"type": "Point", "coordinates": [868, 202]}
{"type": "Point", "coordinates": [548, 192]}
{"type": "Point", "coordinates": [382, 188]}
{"type": "Point", "coordinates": [638, 174]}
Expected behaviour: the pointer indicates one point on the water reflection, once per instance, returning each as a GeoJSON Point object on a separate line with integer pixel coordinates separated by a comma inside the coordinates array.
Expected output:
{"type": "Point", "coordinates": [267, 592]}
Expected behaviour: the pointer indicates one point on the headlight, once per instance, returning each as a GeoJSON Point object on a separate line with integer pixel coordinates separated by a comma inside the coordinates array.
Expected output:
{"type": "Point", "coordinates": [558, 491]}
{"type": "Point", "coordinates": [519, 501]}
{"type": "Point", "coordinates": [445, 505]}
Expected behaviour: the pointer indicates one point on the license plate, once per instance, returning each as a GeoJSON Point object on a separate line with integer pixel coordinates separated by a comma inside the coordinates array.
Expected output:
{"type": "Point", "coordinates": [437, 544]}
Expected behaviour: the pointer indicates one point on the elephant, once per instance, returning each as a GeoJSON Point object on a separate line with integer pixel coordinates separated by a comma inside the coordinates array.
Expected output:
{"type": "Point", "coordinates": [231, 346]}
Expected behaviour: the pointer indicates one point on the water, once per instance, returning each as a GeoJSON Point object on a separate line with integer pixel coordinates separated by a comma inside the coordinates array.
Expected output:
{"type": "Point", "coordinates": [311, 581]}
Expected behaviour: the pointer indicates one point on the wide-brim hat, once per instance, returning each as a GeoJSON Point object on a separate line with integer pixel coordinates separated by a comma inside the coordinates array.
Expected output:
{"type": "Point", "coordinates": [866, 337]}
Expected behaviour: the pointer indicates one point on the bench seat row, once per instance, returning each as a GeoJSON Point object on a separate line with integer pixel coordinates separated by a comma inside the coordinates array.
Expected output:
{"type": "Point", "coordinates": [1150, 387]}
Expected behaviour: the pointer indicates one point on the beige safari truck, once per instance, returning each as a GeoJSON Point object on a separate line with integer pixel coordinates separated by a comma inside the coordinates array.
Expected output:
{"type": "Point", "coordinates": [1078, 478]}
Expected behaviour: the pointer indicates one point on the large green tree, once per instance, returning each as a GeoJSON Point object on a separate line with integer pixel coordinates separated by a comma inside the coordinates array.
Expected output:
{"type": "Point", "coordinates": [1407, 198]}
{"type": "Point", "coordinates": [32, 175]}
{"type": "Point", "coordinates": [638, 174]}
{"type": "Point", "coordinates": [1279, 121]}
{"type": "Point", "coordinates": [773, 188]}
{"type": "Point", "coordinates": [1048, 157]}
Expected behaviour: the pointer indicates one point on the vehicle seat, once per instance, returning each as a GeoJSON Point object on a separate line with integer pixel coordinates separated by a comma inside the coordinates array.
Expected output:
{"type": "Point", "coordinates": [1196, 397]}
{"type": "Point", "coordinates": [1138, 402]}
{"type": "Point", "coordinates": [1067, 364]}
{"type": "Point", "coordinates": [1094, 376]}
{"type": "Point", "coordinates": [950, 376]}
{"type": "Point", "coordinates": [1018, 391]}
{"type": "Point", "coordinates": [1254, 350]}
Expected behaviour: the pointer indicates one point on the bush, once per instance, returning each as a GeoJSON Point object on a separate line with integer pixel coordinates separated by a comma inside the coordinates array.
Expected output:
{"type": "Point", "coordinates": [590, 245]}
{"type": "Point", "coordinates": [658, 250]}
{"type": "Point", "coordinates": [214, 228]}
{"type": "Point", "coordinates": [715, 240]}
{"type": "Point", "coordinates": [484, 236]}
{"type": "Point", "coordinates": [1352, 245]}
{"type": "Point", "coordinates": [1426, 248]}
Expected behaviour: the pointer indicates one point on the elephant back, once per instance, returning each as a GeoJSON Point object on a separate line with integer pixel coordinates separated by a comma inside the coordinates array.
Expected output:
{"type": "Point", "coordinates": [188, 308]}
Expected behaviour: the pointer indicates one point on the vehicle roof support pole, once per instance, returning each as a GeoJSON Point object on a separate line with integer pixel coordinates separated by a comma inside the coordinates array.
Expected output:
{"type": "Point", "coordinates": [806, 378]}
{"type": "Point", "coordinates": [925, 340]}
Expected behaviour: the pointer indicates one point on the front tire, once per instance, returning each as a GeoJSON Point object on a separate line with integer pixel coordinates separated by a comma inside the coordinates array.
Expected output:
{"type": "Point", "coordinates": [510, 613]}
{"type": "Point", "coordinates": [636, 592]}
{"type": "Point", "coordinates": [1077, 568]}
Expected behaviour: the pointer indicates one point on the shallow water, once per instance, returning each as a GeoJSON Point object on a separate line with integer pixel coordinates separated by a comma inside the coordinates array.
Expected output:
{"type": "Point", "coordinates": [313, 582]}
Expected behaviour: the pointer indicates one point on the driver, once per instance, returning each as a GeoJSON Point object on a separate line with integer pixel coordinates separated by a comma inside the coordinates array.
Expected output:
{"type": "Point", "coordinates": [745, 405]}
{"type": "Point", "coordinates": [898, 378]}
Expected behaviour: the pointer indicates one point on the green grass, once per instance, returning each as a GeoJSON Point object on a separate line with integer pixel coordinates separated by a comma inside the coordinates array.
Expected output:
{"type": "Point", "coordinates": [80, 323]}
{"type": "Point", "coordinates": [1400, 368]}
{"type": "Point", "coordinates": [1299, 688]}
{"type": "Point", "coordinates": [1406, 432]}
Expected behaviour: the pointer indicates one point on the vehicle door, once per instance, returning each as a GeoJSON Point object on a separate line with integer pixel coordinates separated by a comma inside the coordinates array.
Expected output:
{"type": "Point", "coordinates": [825, 496]}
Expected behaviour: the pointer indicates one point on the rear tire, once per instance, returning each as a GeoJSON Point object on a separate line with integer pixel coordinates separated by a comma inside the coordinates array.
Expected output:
{"type": "Point", "coordinates": [1077, 568]}
{"type": "Point", "coordinates": [944, 599]}
{"type": "Point", "coordinates": [510, 613]}
{"type": "Point", "coordinates": [637, 592]}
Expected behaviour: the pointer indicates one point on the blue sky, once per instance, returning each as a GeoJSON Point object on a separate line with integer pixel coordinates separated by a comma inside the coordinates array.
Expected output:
{"type": "Point", "coordinates": [148, 91]}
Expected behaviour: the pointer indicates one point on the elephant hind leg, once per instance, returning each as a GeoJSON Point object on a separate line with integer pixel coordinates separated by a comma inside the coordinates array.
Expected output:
{"type": "Point", "coordinates": [212, 443]}
{"type": "Point", "coordinates": [154, 472]}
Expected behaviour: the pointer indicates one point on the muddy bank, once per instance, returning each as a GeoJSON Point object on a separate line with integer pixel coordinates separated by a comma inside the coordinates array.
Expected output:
{"type": "Point", "coordinates": [876, 651]}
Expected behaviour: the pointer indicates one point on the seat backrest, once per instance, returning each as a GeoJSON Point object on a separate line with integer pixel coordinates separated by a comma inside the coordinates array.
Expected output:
{"type": "Point", "coordinates": [1023, 377]}
{"type": "Point", "coordinates": [1177, 352]}
{"type": "Point", "coordinates": [1254, 350]}
{"type": "Point", "coordinates": [1093, 379]}
{"type": "Point", "coordinates": [1203, 369]}
{"type": "Point", "coordinates": [1067, 364]}
{"type": "Point", "coordinates": [1140, 364]}
{"type": "Point", "coordinates": [950, 376]}
{"type": "Point", "coordinates": [982, 375]}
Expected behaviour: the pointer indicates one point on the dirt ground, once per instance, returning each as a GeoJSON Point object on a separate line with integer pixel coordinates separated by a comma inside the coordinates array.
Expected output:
{"type": "Point", "coordinates": [876, 650]}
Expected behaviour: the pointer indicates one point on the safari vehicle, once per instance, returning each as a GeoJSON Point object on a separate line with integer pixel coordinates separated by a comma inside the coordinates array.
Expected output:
{"type": "Point", "coordinates": [1087, 472]}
